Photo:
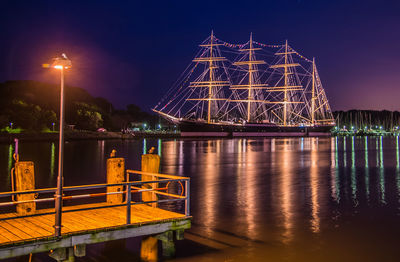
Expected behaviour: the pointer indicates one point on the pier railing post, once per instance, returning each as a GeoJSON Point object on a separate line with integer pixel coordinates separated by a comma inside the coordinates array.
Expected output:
{"type": "Point", "coordinates": [128, 203]}
{"type": "Point", "coordinates": [187, 200]}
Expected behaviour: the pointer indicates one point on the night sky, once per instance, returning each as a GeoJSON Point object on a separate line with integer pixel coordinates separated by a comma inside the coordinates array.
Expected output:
{"type": "Point", "coordinates": [133, 51]}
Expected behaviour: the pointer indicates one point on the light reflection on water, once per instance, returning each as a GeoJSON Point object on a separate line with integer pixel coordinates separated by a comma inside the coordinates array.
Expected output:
{"type": "Point", "coordinates": [285, 198]}
{"type": "Point", "coordinates": [286, 173]}
{"type": "Point", "coordinates": [366, 166]}
{"type": "Point", "coordinates": [315, 222]}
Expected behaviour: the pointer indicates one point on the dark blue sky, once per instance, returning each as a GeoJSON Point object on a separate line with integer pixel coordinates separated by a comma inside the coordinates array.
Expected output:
{"type": "Point", "coordinates": [132, 51]}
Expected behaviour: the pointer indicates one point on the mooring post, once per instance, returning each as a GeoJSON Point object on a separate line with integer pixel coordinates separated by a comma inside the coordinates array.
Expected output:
{"type": "Point", "coordinates": [24, 179]}
{"type": "Point", "coordinates": [115, 174]}
{"type": "Point", "coordinates": [151, 164]}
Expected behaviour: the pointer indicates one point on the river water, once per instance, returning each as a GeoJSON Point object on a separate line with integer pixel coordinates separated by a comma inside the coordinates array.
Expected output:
{"type": "Point", "coordinates": [274, 199]}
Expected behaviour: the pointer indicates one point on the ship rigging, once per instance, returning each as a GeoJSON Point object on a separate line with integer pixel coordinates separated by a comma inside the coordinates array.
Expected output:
{"type": "Point", "coordinates": [236, 86]}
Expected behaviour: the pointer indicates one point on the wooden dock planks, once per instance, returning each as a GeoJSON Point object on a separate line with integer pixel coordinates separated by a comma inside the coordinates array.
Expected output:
{"type": "Point", "coordinates": [39, 227]}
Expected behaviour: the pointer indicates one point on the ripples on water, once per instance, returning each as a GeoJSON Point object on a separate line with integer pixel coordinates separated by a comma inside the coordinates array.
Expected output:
{"type": "Point", "coordinates": [286, 199]}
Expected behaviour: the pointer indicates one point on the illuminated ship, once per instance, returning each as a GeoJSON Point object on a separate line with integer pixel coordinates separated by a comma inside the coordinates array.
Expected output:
{"type": "Point", "coordinates": [228, 90]}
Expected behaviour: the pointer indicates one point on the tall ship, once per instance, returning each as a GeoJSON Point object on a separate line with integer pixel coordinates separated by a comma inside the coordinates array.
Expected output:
{"type": "Point", "coordinates": [249, 89]}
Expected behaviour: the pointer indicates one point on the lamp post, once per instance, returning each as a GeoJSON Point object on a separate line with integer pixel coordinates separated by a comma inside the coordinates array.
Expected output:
{"type": "Point", "coordinates": [60, 63]}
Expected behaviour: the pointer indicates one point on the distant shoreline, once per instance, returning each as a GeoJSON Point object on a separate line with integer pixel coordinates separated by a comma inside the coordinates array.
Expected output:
{"type": "Point", "coordinates": [82, 135]}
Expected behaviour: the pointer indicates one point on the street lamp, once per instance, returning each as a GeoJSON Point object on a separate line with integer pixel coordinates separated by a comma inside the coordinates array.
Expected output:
{"type": "Point", "coordinates": [61, 63]}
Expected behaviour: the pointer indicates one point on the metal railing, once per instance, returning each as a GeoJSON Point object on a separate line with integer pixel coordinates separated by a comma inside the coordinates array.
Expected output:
{"type": "Point", "coordinates": [130, 187]}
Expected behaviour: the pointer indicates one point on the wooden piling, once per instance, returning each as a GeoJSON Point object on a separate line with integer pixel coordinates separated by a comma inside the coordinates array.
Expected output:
{"type": "Point", "coordinates": [63, 254]}
{"type": "Point", "coordinates": [25, 180]}
{"type": "Point", "coordinates": [149, 249]}
{"type": "Point", "coordinates": [115, 174]}
{"type": "Point", "coordinates": [80, 250]}
{"type": "Point", "coordinates": [150, 163]}
{"type": "Point", "coordinates": [168, 245]}
{"type": "Point", "coordinates": [59, 254]}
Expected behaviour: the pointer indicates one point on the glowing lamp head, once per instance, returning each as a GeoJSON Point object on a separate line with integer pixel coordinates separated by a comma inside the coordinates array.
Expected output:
{"type": "Point", "coordinates": [61, 62]}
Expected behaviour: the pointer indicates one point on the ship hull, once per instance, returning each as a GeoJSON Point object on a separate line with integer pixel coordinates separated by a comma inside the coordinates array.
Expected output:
{"type": "Point", "coordinates": [202, 129]}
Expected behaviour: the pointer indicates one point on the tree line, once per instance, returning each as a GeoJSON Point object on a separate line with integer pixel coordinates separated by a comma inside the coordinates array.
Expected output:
{"type": "Point", "coordinates": [34, 106]}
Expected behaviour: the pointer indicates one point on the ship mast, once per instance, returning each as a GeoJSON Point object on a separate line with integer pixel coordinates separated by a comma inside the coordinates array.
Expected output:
{"type": "Point", "coordinates": [287, 87]}
{"type": "Point", "coordinates": [212, 83]}
{"type": "Point", "coordinates": [211, 78]}
{"type": "Point", "coordinates": [251, 86]}
{"type": "Point", "coordinates": [251, 52]}
{"type": "Point", "coordinates": [313, 94]}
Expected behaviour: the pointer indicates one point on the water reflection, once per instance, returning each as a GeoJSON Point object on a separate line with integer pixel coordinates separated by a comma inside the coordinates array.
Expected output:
{"type": "Point", "coordinates": [283, 190]}
{"type": "Point", "coordinates": [381, 171]}
{"type": "Point", "coordinates": [397, 165]}
{"type": "Point", "coordinates": [181, 158]}
{"type": "Point", "coordinates": [314, 180]}
{"type": "Point", "coordinates": [353, 172]}
{"type": "Point", "coordinates": [286, 176]}
{"type": "Point", "coordinates": [397, 154]}
{"type": "Point", "coordinates": [247, 185]}
{"type": "Point", "coordinates": [366, 166]}
{"type": "Point", "coordinates": [302, 144]}
{"type": "Point", "coordinates": [159, 149]}
{"type": "Point", "coordinates": [335, 187]}
{"type": "Point", "coordinates": [10, 161]}
{"type": "Point", "coordinates": [377, 152]}
{"type": "Point", "coordinates": [210, 173]}
{"type": "Point", "coordinates": [144, 151]}
{"type": "Point", "coordinates": [52, 159]}
{"type": "Point", "coordinates": [344, 152]}
{"type": "Point", "coordinates": [102, 156]}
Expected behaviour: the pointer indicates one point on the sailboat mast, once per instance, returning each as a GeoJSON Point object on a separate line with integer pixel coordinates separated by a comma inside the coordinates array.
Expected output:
{"type": "Point", "coordinates": [211, 78]}
{"type": "Point", "coordinates": [313, 94]}
{"type": "Point", "coordinates": [250, 77]}
{"type": "Point", "coordinates": [285, 86]}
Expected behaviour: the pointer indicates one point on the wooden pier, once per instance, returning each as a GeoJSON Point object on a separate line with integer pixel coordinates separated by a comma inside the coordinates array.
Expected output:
{"type": "Point", "coordinates": [83, 224]}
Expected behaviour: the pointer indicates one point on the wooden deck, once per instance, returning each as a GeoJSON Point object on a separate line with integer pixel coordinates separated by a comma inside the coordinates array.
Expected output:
{"type": "Point", "coordinates": [22, 232]}
{"type": "Point", "coordinates": [85, 224]}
